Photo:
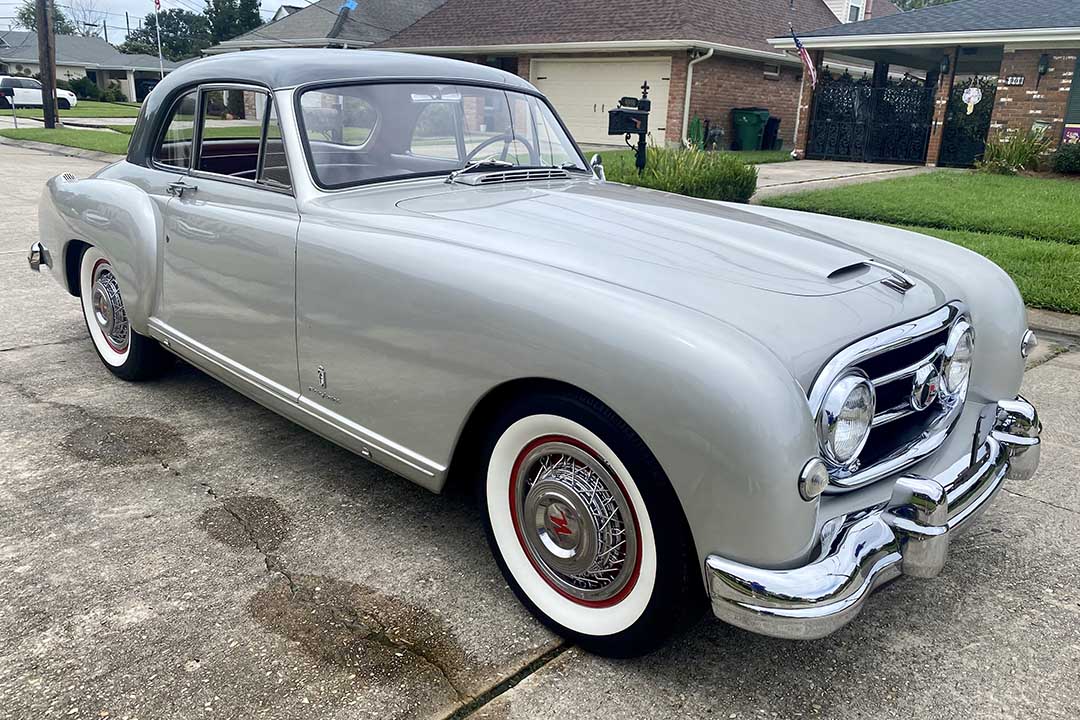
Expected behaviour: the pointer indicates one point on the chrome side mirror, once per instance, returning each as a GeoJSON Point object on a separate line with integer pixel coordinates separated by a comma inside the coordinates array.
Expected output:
{"type": "Point", "coordinates": [598, 167]}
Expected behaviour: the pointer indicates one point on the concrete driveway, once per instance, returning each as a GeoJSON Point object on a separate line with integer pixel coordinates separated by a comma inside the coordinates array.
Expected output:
{"type": "Point", "coordinates": [173, 550]}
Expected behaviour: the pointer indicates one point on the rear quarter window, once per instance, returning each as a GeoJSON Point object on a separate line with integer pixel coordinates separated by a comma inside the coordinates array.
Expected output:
{"type": "Point", "coordinates": [176, 142]}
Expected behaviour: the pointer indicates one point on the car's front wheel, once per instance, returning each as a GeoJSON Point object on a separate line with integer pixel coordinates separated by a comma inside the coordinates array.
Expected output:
{"type": "Point", "coordinates": [63, 104]}
{"type": "Point", "coordinates": [586, 527]}
{"type": "Point", "coordinates": [126, 353]}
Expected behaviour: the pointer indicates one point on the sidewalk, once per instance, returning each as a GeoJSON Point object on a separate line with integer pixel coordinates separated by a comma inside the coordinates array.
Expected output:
{"type": "Point", "coordinates": [803, 175]}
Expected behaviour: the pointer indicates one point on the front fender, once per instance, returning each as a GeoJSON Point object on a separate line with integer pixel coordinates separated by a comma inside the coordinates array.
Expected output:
{"type": "Point", "coordinates": [997, 310]}
{"type": "Point", "coordinates": [118, 218]}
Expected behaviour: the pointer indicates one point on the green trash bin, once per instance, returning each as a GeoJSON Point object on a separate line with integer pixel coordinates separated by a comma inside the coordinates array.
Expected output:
{"type": "Point", "coordinates": [749, 126]}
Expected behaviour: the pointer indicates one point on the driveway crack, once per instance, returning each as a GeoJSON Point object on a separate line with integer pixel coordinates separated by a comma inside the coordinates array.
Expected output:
{"type": "Point", "coordinates": [1044, 502]}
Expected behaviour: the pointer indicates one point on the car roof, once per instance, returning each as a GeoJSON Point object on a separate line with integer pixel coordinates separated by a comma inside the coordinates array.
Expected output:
{"type": "Point", "coordinates": [290, 67]}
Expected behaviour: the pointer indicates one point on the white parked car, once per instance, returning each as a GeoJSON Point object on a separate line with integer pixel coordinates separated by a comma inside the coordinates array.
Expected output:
{"type": "Point", "coordinates": [28, 93]}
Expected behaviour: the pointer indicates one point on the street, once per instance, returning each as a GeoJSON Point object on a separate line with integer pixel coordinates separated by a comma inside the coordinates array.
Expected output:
{"type": "Point", "coordinates": [174, 550]}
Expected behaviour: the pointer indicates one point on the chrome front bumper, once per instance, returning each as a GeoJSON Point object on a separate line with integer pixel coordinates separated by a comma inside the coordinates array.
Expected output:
{"type": "Point", "coordinates": [859, 551]}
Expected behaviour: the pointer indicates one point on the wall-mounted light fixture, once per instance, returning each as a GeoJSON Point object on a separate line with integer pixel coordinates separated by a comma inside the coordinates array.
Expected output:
{"type": "Point", "coordinates": [945, 64]}
{"type": "Point", "coordinates": [1044, 67]}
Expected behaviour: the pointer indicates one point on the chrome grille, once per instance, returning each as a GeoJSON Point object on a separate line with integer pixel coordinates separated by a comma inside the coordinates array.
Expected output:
{"type": "Point", "coordinates": [901, 433]}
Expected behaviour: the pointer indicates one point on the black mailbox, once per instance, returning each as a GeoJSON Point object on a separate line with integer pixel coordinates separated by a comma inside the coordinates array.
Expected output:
{"type": "Point", "coordinates": [624, 121]}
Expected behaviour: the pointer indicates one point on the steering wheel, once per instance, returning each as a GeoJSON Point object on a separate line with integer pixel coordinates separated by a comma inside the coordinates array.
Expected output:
{"type": "Point", "coordinates": [506, 139]}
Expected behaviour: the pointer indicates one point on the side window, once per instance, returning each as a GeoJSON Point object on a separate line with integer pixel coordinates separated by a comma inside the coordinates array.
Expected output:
{"type": "Point", "coordinates": [31, 84]}
{"type": "Point", "coordinates": [174, 148]}
{"type": "Point", "coordinates": [7, 83]}
{"type": "Point", "coordinates": [435, 132]}
{"type": "Point", "coordinates": [232, 131]}
{"type": "Point", "coordinates": [274, 170]}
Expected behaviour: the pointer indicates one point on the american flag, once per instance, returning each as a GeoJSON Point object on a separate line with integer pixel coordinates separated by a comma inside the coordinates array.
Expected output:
{"type": "Point", "coordinates": [805, 55]}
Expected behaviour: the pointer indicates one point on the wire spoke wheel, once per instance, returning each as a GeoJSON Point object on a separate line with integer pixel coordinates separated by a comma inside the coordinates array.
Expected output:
{"type": "Point", "coordinates": [574, 522]}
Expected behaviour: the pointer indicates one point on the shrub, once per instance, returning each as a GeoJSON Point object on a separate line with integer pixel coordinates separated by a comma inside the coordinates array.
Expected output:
{"type": "Point", "coordinates": [709, 175]}
{"type": "Point", "coordinates": [113, 93]}
{"type": "Point", "coordinates": [1008, 155]}
{"type": "Point", "coordinates": [1067, 159]}
{"type": "Point", "coordinates": [85, 88]}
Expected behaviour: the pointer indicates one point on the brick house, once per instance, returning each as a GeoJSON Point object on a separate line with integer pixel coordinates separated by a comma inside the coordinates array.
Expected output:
{"type": "Point", "coordinates": [586, 55]}
{"type": "Point", "coordinates": [971, 69]}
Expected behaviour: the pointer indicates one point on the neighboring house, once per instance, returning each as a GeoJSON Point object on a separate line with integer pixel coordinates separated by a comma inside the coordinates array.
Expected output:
{"type": "Point", "coordinates": [285, 10]}
{"type": "Point", "coordinates": [700, 62]}
{"type": "Point", "coordinates": [78, 57]}
{"type": "Point", "coordinates": [973, 66]}
{"type": "Point", "coordinates": [847, 11]}
{"type": "Point", "coordinates": [325, 24]}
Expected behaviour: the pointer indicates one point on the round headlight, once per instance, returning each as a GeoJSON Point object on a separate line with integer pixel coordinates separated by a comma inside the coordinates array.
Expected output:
{"type": "Point", "coordinates": [958, 353]}
{"type": "Point", "coordinates": [845, 417]}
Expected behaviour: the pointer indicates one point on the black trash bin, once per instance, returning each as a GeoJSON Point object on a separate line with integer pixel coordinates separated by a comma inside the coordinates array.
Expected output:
{"type": "Point", "coordinates": [770, 140]}
{"type": "Point", "coordinates": [749, 126]}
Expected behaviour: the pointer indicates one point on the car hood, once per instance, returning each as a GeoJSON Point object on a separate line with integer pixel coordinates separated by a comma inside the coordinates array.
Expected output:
{"type": "Point", "coordinates": [633, 234]}
{"type": "Point", "coordinates": [801, 293]}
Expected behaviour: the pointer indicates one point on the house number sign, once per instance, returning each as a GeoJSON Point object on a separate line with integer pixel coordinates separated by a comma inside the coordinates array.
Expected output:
{"type": "Point", "coordinates": [972, 97]}
{"type": "Point", "coordinates": [1015, 80]}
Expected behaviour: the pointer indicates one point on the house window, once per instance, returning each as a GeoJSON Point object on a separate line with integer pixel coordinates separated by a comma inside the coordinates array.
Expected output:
{"type": "Point", "coordinates": [855, 11]}
{"type": "Point", "coordinates": [772, 72]}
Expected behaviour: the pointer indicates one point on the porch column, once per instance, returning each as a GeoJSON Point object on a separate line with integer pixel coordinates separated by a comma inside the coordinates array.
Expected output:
{"type": "Point", "coordinates": [806, 103]}
{"type": "Point", "coordinates": [941, 104]}
{"type": "Point", "coordinates": [129, 86]}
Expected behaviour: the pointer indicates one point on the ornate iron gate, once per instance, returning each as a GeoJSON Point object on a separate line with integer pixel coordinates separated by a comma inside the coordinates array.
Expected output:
{"type": "Point", "coordinates": [963, 139]}
{"type": "Point", "coordinates": [852, 120]}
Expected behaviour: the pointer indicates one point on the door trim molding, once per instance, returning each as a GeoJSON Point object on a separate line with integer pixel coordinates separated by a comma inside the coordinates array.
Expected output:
{"type": "Point", "coordinates": [306, 412]}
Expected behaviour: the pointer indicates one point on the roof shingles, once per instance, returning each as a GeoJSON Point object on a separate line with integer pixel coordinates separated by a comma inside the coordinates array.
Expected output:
{"type": "Point", "coordinates": [467, 23]}
{"type": "Point", "coordinates": [965, 16]}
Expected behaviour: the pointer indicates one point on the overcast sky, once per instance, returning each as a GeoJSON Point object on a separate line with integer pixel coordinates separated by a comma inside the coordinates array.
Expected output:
{"type": "Point", "coordinates": [136, 10]}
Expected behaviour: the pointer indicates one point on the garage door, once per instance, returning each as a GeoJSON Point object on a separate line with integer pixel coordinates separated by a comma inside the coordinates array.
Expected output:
{"type": "Point", "coordinates": [584, 89]}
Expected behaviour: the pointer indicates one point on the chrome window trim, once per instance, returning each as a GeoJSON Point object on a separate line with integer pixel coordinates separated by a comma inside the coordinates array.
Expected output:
{"type": "Point", "coordinates": [196, 153]}
{"type": "Point", "coordinates": [885, 341]}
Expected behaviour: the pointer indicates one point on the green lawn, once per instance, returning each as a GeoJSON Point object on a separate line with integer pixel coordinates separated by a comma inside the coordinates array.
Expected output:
{"type": "Point", "coordinates": [1038, 208]}
{"type": "Point", "coordinates": [85, 109]}
{"type": "Point", "coordinates": [109, 142]}
{"type": "Point", "coordinates": [1047, 273]}
{"type": "Point", "coordinates": [617, 158]}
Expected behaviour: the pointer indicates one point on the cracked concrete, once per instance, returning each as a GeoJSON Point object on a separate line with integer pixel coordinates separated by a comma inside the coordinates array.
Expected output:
{"type": "Point", "coordinates": [173, 550]}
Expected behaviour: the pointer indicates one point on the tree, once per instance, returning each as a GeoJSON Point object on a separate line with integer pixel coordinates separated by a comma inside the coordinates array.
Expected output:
{"type": "Point", "coordinates": [916, 4]}
{"type": "Point", "coordinates": [183, 34]}
{"type": "Point", "coordinates": [85, 17]}
{"type": "Point", "coordinates": [26, 17]}
{"type": "Point", "coordinates": [229, 18]}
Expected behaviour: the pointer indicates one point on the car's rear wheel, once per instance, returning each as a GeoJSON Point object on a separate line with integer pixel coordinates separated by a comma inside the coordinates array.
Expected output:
{"type": "Point", "coordinates": [586, 527]}
{"type": "Point", "coordinates": [126, 353]}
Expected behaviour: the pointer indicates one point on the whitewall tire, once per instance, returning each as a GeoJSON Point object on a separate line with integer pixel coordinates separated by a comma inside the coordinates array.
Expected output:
{"type": "Point", "coordinates": [126, 353]}
{"type": "Point", "coordinates": [586, 527]}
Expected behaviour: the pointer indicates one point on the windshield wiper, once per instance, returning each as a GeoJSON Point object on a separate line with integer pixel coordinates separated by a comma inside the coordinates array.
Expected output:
{"type": "Point", "coordinates": [485, 164]}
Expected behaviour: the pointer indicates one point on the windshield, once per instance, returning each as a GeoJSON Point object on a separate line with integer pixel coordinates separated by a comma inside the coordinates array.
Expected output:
{"type": "Point", "coordinates": [358, 134]}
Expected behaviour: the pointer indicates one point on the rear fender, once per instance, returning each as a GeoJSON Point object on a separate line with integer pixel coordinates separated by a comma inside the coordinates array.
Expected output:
{"type": "Point", "coordinates": [118, 218]}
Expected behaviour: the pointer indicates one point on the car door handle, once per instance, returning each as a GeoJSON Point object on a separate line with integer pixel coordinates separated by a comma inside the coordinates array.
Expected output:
{"type": "Point", "coordinates": [179, 187]}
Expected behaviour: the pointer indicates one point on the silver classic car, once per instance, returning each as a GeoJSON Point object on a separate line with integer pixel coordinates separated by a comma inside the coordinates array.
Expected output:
{"type": "Point", "coordinates": [659, 401]}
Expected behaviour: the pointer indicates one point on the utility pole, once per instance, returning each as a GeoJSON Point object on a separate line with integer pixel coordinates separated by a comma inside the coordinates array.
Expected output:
{"type": "Point", "coordinates": [105, 29]}
{"type": "Point", "coordinates": [47, 60]}
{"type": "Point", "coordinates": [127, 22]}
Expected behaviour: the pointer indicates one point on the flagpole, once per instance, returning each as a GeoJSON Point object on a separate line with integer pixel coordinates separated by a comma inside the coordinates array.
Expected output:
{"type": "Point", "coordinates": [157, 29]}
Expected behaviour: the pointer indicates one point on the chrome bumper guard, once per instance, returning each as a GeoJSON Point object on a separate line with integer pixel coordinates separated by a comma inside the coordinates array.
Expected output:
{"type": "Point", "coordinates": [908, 535]}
{"type": "Point", "coordinates": [38, 256]}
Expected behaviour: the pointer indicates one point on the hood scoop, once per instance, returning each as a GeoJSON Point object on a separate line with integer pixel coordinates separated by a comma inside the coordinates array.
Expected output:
{"type": "Point", "coordinates": [512, 176]}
